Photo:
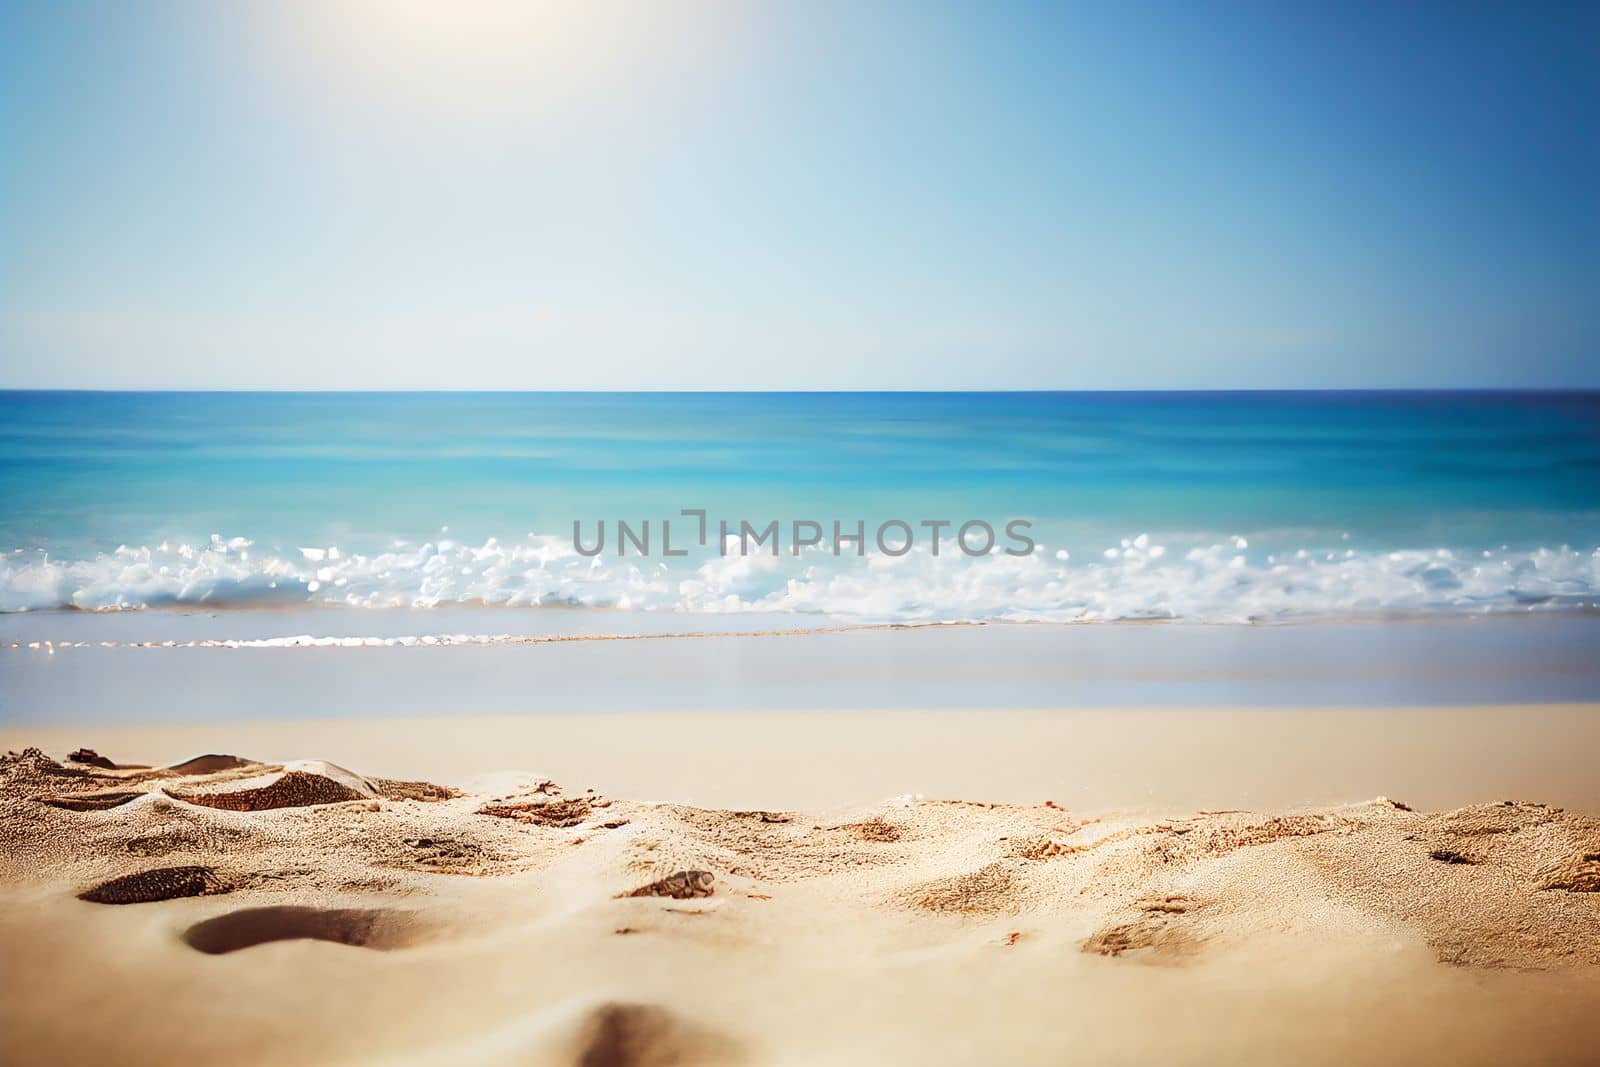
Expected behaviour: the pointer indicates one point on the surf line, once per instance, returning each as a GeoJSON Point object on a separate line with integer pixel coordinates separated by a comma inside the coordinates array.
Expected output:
{"type": "Point", "coordinates": [471, 640]}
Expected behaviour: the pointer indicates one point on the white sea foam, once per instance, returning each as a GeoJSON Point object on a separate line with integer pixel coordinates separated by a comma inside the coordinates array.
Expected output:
{"type": "Point", "coordinates": [1136, 578]}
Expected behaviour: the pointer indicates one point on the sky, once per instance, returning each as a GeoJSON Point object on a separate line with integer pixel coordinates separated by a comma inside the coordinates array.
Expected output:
{"type": "Point", "coordinates": [338, 194]}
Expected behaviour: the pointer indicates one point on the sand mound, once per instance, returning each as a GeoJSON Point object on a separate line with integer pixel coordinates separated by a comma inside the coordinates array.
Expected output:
{"type": "Point", "coordinates": [765, 816]}
{"type": "Point", "coordinates": [876, 828]}
{"type": "Point", "coordinates": [296, 785]}
{"type": "Point", "coordinates": [764, 845]}
{"type": "Point", "coordinates": [558, 814]}
{"type": "Point", "coordinates": [987, 890]}
{"type": "Point", "coordinates": [1579, 873]}
{"type": "Point", "coordinates": [164, 883]}
{"type": "Point", "coordinates": [1500, 885]}
{"type": "Point", "coordinates": [443, 853]}
{"type": "Point", "coordinates": [1487, 820]}
{"type": "Point", "coordinates": [32, 765]}
{"type": "Point", "coordinates": [373, 928]}
{"type": "Point", "coordinates": [397, 789]}
{"type": "Point", "coordinates": [1046, 846]}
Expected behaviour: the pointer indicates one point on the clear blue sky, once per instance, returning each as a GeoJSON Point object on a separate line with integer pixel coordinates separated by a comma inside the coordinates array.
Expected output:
{"type": "Point", "coordinates": [358, 194]}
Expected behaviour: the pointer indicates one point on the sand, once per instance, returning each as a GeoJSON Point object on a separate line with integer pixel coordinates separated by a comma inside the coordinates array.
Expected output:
{"type": "Point", "coordinates": [253, 910]}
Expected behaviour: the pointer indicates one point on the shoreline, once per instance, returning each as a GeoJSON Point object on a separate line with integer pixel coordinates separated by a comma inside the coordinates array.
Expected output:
{"type": "Point", "coordinates": [1543, 660]}
{"type": "Point", "coordinates": [705, 620]}
{"type": "Point", "coordinates": [442, 639]}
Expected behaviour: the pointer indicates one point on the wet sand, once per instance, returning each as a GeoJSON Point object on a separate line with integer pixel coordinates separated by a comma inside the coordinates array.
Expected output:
{"type": "Point", "coordinates": [595, 664]}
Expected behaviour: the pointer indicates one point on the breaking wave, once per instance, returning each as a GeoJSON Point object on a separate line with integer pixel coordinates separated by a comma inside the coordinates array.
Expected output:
{"type": "Point", "coordinates": [1220, 581]}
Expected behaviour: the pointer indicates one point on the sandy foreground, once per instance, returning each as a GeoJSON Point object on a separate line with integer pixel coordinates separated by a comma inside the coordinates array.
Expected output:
{"type": "Point", "coordinates": [413, 902]}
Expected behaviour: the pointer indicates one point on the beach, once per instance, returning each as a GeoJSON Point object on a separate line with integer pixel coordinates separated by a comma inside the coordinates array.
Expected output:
{"type": "Point", "coordinates": [328, 739]}
{"type": "Point", "coordinates": [947, 886]}
{"type": "Point", "coordinates": [799, 535]}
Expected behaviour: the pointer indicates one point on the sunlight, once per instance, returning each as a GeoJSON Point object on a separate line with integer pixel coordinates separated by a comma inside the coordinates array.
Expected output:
{"type": "Point", "coordinates": [485, 51]}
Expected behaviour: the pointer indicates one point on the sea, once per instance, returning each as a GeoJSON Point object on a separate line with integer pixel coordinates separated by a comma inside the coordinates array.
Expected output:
{"type": "Point", "coordinates": [1216, 508]}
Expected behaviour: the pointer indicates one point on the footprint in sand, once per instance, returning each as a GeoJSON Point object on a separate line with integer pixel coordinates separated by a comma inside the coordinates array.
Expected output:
{"type": "Point", "coordinates": [374, 928]}
{"type": "Point", "coordinates": [212, 763]}
{"type": "Point", "coordinates": [1450, 855]}
{"type": "Point", "coordinates": [90, 801]}
{"type": "Point", "coordinates": [643, 1035]}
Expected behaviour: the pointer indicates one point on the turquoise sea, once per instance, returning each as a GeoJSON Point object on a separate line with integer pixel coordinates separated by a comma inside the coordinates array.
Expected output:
{"type": "Point", "coordinates": [1204, 507]}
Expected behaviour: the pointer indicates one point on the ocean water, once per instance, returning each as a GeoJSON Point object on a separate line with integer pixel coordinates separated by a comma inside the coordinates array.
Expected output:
{"type": "Point", "coordinates": [1195, 507]}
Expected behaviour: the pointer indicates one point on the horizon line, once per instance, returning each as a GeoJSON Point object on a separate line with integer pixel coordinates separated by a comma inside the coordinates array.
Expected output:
{"type": "Point", "coordinates": [1312, 390]}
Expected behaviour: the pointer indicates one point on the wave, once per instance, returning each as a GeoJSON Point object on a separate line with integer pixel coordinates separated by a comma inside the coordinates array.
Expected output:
{"type": "Point", "coordinates": [1135, 579]}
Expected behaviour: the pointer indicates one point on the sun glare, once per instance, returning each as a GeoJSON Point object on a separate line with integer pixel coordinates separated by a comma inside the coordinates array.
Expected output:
{"type": "Point", "coordinates": [496, 53]}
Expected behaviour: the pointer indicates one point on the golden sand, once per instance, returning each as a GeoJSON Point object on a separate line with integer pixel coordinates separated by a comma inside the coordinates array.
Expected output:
{"type": "Point", "coordinates": [315, 914]}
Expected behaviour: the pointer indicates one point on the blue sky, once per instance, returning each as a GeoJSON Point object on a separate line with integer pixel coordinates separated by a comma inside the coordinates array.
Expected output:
{"type": "Point", "coordinates": [356, 194]}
